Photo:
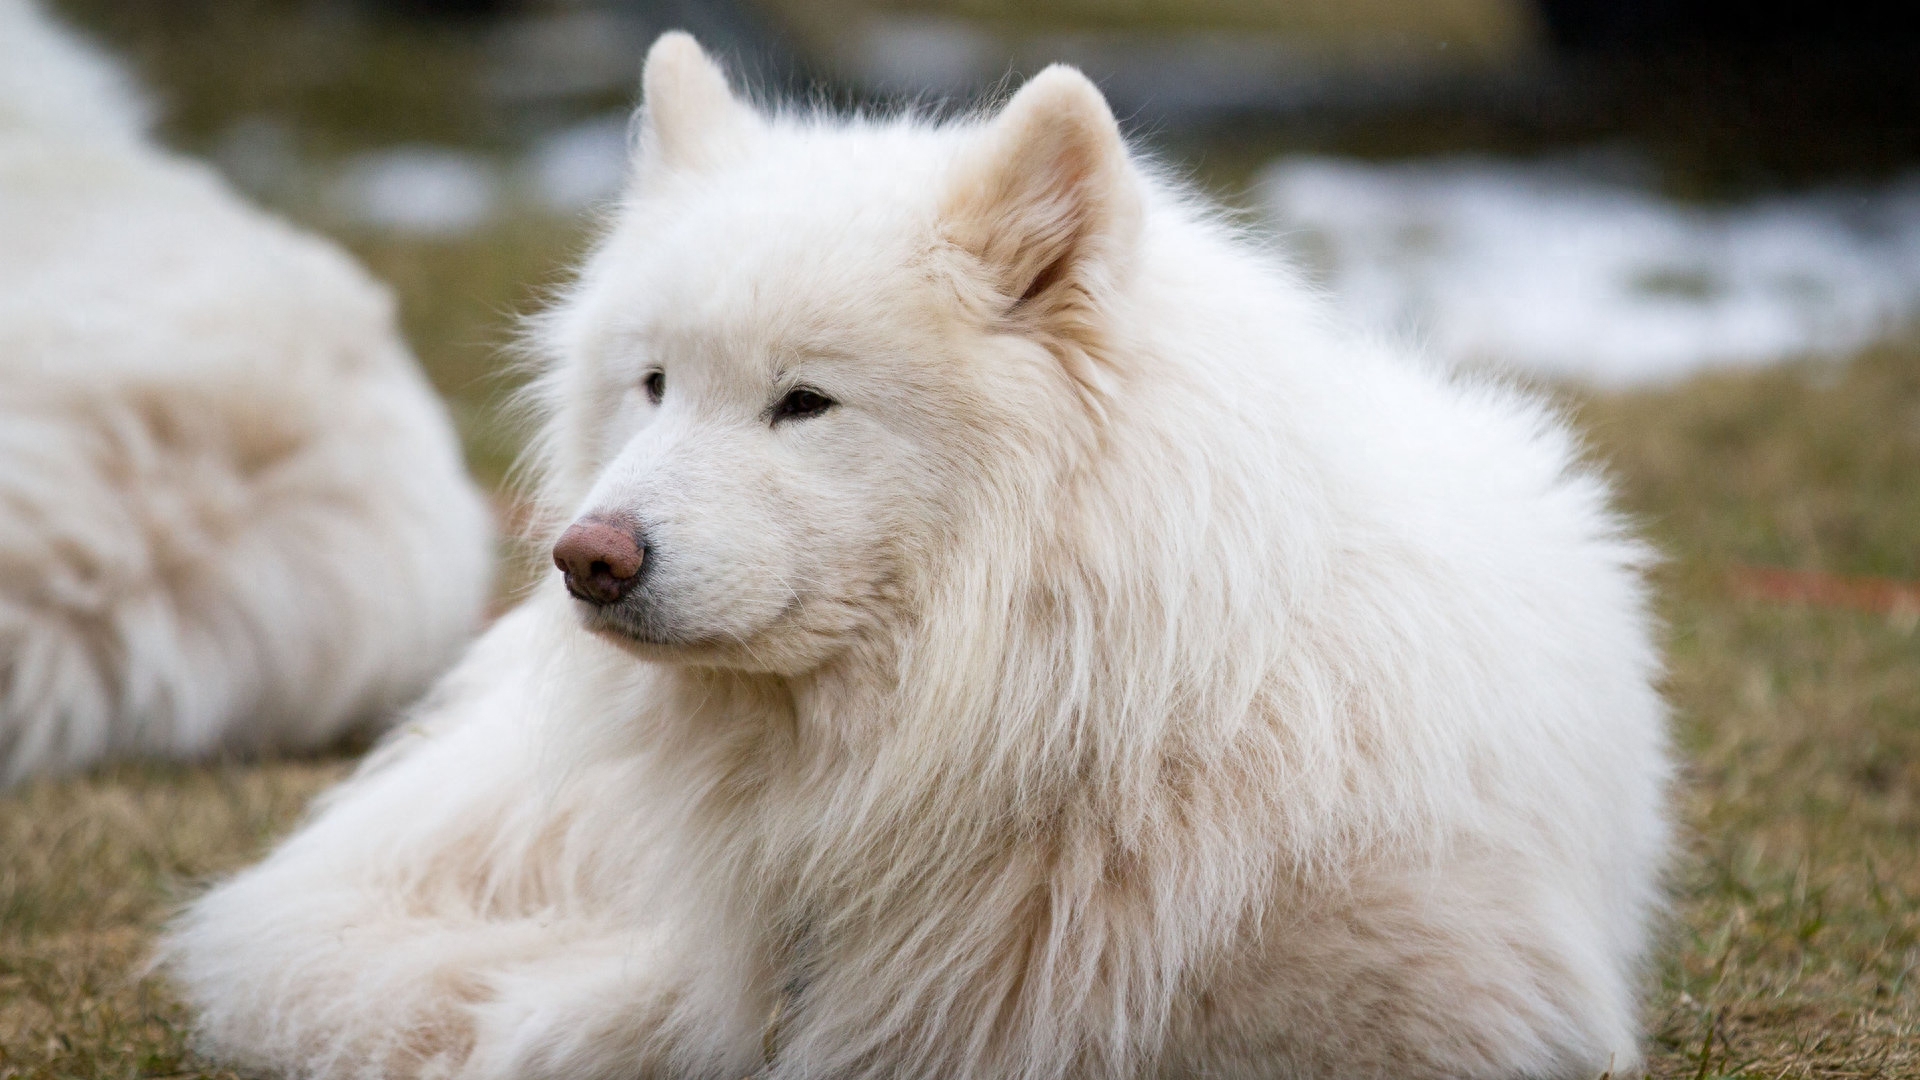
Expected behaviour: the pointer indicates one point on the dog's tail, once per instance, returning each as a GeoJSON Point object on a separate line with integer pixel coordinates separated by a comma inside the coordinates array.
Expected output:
{"type": "Point", "coordinates": [56, 84]}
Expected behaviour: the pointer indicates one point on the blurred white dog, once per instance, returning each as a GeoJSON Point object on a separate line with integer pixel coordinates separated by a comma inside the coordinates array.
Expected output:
{"type": "Point", "coordinates": [233, 516]}
{"type": "Point", "coordinates": [1013, 634]}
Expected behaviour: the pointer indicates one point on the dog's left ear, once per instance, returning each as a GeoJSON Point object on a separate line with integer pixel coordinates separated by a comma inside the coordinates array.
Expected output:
{"type": "Point", "coordinates": [689, 117]}
{"type": "Point", "coordinates": [1046, 199]}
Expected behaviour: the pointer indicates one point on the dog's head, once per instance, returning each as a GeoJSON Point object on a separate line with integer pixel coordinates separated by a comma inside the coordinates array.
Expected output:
{"type": "Point", "coordinates": [813, 358]}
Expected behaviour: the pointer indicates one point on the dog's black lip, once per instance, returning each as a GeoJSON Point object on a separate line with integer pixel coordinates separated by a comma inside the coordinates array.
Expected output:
{"type": "Point", "coordinates": [597, 620]}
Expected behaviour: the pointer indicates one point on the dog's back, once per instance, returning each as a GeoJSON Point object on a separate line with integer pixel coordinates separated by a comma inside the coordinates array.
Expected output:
{"type": "Point", "coordinates": [236, 518]}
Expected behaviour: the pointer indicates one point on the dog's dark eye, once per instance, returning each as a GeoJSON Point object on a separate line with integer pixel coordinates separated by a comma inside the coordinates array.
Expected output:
{"type": "Point", "coordinates": [656, 386]}
{"type": "Point", "coordinates": [800, 404]}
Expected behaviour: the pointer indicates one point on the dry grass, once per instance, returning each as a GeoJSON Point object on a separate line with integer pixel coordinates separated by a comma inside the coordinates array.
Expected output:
{"type": "Point", "coordinates": [1796, 934]}
{"type": "Point", "coordinates": [88, 869]}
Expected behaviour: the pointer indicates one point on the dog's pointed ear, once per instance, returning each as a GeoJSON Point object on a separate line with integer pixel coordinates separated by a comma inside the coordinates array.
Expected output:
{"type": "Point", "coordinates": [689, 116]}
{"type": "Point", "coordinates": [1046, 199]}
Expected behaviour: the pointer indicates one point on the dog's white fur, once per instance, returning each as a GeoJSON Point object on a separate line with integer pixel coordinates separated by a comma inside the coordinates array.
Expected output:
{"type": "Point", "coordinates": [1131, 675]}
{"type": "Point", "coordinates": [233, 516]}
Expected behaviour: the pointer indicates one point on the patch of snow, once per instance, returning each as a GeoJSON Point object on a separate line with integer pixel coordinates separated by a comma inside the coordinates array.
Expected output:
{"type": "Point", "coordinates": [1559, 272]}
{"type": "Point", "coordinates": [578, 167]}
{"type": "Point", "coordinates": [424, 190]}
{"type": "Point", "coordinates": [260, 154]}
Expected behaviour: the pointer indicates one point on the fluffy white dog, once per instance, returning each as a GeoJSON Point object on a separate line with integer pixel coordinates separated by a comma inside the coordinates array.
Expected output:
{"type": "Point", "coordinates": [1013, 635]}
{"type": "Point", "coordinates": [233, 516]}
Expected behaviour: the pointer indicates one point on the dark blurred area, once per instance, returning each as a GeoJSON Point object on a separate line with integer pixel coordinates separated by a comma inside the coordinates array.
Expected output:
{"type": "Point", "coordinates": [1789, 89]}
{"type": "Point", "coordinates": [1681, 24]}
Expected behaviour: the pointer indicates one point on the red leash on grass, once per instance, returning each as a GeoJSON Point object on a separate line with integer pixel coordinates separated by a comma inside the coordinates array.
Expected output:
{"type": "Point", "coordinates": [1883, 596]}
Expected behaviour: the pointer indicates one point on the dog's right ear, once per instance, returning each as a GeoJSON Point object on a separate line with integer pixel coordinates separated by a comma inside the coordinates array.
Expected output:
{"type": "Point", "coordinates": [689, 117]}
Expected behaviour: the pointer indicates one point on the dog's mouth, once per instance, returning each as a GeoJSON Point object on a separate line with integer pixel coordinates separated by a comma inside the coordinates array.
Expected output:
{"type": "Point", "coordinates": [626, 625]}
{"type": "Point", "coordinates": [639, 630]}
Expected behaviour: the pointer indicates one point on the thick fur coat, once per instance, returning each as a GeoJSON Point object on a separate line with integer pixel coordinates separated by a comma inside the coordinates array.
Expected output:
{"type": "Point", "coordinates": [1059, 651]}
{"type": "Point", "coordinates": [233, 516]}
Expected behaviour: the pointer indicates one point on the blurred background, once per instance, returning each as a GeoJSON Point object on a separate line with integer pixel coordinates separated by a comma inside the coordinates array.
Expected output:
{"type": "Point", "coordinates": [1612, 191]}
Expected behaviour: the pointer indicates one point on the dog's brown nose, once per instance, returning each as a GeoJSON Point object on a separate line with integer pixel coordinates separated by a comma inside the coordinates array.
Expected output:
{"type": "Point", "coordinates": [600, 558]}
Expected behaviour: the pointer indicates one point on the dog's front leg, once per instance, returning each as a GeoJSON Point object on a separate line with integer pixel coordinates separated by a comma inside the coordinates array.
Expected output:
{"type": "Point", "coordinates": [619, 1005]}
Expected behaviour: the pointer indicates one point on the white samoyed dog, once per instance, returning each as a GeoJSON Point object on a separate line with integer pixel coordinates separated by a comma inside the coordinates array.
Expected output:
{"type": "Point", "coordinates": [233, 516]}
{"type": "Point", "coordinates": [1012, 634]}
